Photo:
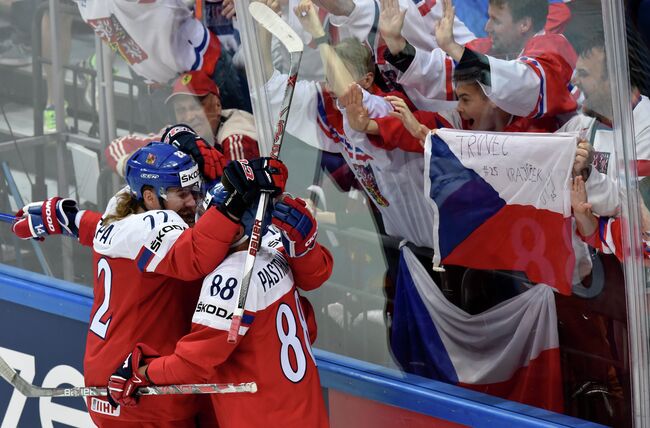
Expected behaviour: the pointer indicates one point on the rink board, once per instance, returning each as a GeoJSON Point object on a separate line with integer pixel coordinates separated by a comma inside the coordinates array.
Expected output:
{"type": "Point", "coordinates": [44, 322]}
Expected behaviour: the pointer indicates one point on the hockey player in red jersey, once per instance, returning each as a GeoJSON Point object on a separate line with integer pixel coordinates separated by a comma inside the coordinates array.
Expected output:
{"type": "Point", "coordinates": [274, 347]}
{"type": "Point", "coordinates": [149, 263]}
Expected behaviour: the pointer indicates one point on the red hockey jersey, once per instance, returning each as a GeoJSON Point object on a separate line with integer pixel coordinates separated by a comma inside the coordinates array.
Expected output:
{"type": "Point", "coordinates": [147, 270]}
{"type": "Point", "coordinates": [273, 349]}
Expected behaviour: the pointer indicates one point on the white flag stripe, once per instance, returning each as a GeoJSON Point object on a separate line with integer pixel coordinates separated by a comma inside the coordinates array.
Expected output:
{"type": "Point", "coordinates": [489, 347]}
{"type": "Point", "coordinates": [524, 168]}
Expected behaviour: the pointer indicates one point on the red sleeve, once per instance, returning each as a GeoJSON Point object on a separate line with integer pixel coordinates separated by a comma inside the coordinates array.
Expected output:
{"type": "Point", "coordinates": [482, 45]}
{"type": "Point", "coordinates": [395, 136]}
{"type": "Point", "coordinates": [198, 250]}
{"type": "Point", "coordinates": [239, 146]}
{"type": "Point", "coordinates": [123, 146]}
{"type": "Point", "coordinates": [553, 59]}
{"type": "Point", "coordinates": [313, 269]}
{"type": "Point", "coordinates": [592, 240]}
{"type": "Point", "coordinates": [88, 226]}
{"type": "Point", "coordinates": [194, 359]}
{"type": "Point", "coordinates": [558, 17]}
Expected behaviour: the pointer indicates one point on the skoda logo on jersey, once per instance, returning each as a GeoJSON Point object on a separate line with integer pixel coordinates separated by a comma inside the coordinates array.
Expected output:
{"type": "Point", "coordinates": [189, 177]}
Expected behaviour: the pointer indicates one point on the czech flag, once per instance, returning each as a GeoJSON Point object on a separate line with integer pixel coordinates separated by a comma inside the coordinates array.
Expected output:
{"type": "Point", "coordinates": [510, 351]}
{"type": "Point", "coordinates": [502, 202]}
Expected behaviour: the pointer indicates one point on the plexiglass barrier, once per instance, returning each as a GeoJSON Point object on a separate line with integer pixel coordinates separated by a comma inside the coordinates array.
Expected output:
{"type": "Point", "coordinates": [479, 173]}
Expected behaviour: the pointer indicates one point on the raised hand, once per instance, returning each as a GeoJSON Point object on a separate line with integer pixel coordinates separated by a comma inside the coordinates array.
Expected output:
{"type": "Point", "coordinates": [357, 114]}
{"type": "Point", "coordinates": [410, 122]}
{"type": "Point", "coordinates": [391, 21]}
{"type": "Point", "coordinates": [445, 32]}
{"type": "Point", "coordinates": [579, 197]}
{"type": "Point", "coordinates": [308, 17]}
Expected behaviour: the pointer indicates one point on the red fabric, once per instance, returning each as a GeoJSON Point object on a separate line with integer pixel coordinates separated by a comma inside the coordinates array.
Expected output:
{"type": "Point", "coordinates": [643, 168]}
{"type": "Point", "coordinates": [126, 145]}
{"type": "Point", "coordinates": [393, 134]}
{"type": "Point", "coordinates": [558, 59]}
{"type": "Point", "coordinates": [313, 269]}
{"type": "Point", "coordinates": [539, 384]}
{"type": "Point", "coordinates": [240, 146]}
{"type": "Point", "coordinates": [88, 226]}
{"type": "Point", "coordinates": [22, 229]}
{"type": "Point", "coordinates": [212, 54]}
{"type": "Point", "coordinates": [280, 177]}
{"type": "Point", "coordinates": [155, 308]}
{"type": "Point", "coordinates": [195, 83]}
{"type": "Point", "coordinates": [529, 248]}
{"type": "Point", "coordinates": [213, 160]}
{"type": "Point", "coordinates": [558, 17]}
{"type": "Point", "coordinates": [205, 356]}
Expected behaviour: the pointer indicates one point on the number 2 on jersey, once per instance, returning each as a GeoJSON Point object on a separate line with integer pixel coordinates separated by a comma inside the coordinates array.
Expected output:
{"type": "Point", "coordinates": [290, 341]}
{"type": "Point", "coordinates": [97, 326]}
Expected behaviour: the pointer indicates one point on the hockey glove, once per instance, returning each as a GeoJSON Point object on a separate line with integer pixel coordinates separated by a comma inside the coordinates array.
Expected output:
{"type": "Point", "coordinates": [52, 217]}
{"type": "Point", "coordinates": [297, 225]}
{"type": "Point", "coordinates": [249, 177]}
{"type": "Point", "coordinates": [211, 161]}
{"type": "Point", "coordinates": [123, 384]}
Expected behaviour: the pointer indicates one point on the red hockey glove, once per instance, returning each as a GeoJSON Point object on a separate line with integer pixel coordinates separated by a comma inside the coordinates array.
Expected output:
{"type": "Point", "coordinates": [298, 226]}
{"type": "Point", "coordinates": [249, 177]}
{"type": "Point", "coordinates": [123, 384]}
{"type": "Point", "coordinates": [211, 161]}
{"type": "Point", "coordinates": [52, 217]}
{"type": "Point", "coordinates": [214, 161]}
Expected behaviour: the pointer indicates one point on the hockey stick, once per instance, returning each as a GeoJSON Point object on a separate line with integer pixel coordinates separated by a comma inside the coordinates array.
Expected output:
{"type": "Point", "coordinates": [281, 30]}
{"type": "Point", "coordinates": [29, 390]}
{"type": "Point", "coordinates": [7, 218]}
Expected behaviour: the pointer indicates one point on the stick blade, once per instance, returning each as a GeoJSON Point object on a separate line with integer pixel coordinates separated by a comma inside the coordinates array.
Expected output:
{"type": "Point", "coordinates": [276, 26]}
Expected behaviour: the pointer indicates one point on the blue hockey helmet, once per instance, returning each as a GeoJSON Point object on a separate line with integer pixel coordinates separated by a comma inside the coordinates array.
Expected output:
{"type": "Point", "coordinates": [161, 166]}
{"type": "Point", "coordinates": [218, 194]}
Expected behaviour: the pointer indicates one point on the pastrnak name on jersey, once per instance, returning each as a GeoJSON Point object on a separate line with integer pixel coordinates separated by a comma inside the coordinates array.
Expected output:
{"type": "Point", "coordinates": [273, 272]}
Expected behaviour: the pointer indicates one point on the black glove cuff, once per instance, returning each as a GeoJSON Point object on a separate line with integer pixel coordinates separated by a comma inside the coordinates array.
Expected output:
{"type": "Point", "coordinates": [234, 206]}
{"type": "Point", "coordinates": [402, 61]}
